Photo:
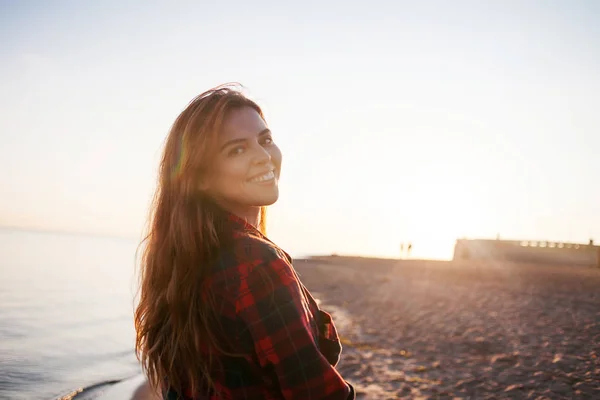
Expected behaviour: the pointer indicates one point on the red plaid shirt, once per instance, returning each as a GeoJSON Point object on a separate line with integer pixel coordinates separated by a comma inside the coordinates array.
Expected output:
{"type": "Point", "coordinates": [290, 346]}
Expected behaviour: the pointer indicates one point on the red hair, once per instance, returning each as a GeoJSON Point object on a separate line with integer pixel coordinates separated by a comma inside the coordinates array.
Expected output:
{"type": "Point", "coordinates": [175, 317]}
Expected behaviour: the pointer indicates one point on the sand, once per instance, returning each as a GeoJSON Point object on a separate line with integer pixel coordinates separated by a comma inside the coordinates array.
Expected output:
{"type": "Point", "coordinates": [478, 330]}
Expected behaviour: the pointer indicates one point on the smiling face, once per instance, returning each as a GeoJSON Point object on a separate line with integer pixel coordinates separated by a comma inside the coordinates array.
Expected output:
{"type": "Point", "coordinates": [244, 173]}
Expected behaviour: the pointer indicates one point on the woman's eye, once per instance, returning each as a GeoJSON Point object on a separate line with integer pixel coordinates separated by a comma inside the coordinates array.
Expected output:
{"type": "Point", "coordinates": [268, 140]}
{"type": "Point", "coordinates": [236, 150]}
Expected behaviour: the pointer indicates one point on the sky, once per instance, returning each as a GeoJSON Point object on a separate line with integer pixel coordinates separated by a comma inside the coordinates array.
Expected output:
{"type": "Point", "coordinates": [399, 121]}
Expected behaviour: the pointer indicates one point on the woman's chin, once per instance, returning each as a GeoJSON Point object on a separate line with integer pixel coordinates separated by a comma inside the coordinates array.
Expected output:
{"type": "Point", "coordinates": [265, 199]}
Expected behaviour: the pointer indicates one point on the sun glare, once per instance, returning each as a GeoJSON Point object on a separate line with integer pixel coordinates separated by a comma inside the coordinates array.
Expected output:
{"type": "Point", "coordinates": [442, 217]}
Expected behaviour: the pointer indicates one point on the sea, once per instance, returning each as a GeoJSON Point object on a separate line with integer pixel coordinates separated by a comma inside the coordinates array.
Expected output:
{"type": "Point", "coordinates": [66, 312]}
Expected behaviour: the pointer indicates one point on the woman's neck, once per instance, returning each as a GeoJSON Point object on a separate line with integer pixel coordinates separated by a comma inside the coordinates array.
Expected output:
{"type": "Point", "coordinates": [250, 215]}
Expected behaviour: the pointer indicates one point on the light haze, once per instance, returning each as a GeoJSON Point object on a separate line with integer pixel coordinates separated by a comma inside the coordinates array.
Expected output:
{"type": "Point", "coordinates": [399, 121]}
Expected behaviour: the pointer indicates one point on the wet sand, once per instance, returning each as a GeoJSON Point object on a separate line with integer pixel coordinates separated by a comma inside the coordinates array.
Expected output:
{"type": "Point", "coordinates": [426, 329]}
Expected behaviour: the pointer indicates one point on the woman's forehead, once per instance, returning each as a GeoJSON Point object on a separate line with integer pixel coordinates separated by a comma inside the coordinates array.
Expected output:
{"type": "Point", "coordinates": [242, 122]}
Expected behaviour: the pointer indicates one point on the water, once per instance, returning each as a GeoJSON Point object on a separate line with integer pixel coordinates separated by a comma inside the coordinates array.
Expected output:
{"type": "Point", "coordinates": [66, 312]}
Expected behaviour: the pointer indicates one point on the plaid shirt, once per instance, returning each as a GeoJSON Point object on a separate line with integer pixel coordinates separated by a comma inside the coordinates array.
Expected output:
{"type": "Point", "coordinates": [290, 346]}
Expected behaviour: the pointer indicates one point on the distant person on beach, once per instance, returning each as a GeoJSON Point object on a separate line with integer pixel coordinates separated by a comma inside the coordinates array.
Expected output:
{"type": "Point", "coordinates": [222, 313]}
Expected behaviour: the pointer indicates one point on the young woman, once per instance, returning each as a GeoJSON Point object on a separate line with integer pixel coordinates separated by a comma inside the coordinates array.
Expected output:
{"type": "Point", "coordinates": [222, 313]}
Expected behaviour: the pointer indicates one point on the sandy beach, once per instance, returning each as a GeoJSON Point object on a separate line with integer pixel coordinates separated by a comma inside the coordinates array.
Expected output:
{"type": "Point", "coordinates": [433, 329]}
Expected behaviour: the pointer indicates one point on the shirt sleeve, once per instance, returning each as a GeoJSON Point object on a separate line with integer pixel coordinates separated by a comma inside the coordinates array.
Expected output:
{"type": "Point", "coordinates": [329, 341]}
{"type": "Point", "coordinates": [271, 306]}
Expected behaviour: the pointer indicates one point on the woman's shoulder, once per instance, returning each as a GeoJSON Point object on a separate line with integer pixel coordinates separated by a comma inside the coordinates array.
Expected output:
{"type": "Point", "coordinates": [247, 252]}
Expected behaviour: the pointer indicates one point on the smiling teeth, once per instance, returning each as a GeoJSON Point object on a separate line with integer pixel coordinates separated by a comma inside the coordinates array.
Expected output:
{"type": "Point", "coordinates": [266, 177]}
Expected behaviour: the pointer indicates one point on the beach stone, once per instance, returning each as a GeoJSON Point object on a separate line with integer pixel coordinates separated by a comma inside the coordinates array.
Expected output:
{"type": "Point", "coordinates": [586, 387]}
{"type": "Point", "coordinates": [512, 388]}
{"type": "Point", "coordinates": [463, 383]}
{"type": "Point", "coordinates": [505, 358]}
{"type": "Point", "coordinates": [405, 388]}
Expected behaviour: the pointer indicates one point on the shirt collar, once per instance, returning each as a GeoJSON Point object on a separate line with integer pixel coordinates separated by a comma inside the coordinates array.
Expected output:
{"type": "Point", "coordinates": [241, 224]}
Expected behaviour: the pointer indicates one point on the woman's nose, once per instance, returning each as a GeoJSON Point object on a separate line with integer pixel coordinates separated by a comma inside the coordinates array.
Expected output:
{"type": "Point", "coordinates": [262, 155]}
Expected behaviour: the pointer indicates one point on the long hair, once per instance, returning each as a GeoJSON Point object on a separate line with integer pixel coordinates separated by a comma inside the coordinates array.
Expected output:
{"type": "Point", "coordinates": [176, 333]}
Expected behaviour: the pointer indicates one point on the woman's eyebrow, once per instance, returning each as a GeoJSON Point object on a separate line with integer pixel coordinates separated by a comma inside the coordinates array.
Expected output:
{"type": "Point", "coordinates": [265, 131]}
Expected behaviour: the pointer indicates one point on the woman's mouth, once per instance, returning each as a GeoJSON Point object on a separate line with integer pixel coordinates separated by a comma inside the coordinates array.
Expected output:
{"type": "Point", "coordinates": [269, 176]}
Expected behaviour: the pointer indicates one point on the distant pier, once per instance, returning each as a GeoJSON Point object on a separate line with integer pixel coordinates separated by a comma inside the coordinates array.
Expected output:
{"type": "Point", "coordinates": [542, 252]}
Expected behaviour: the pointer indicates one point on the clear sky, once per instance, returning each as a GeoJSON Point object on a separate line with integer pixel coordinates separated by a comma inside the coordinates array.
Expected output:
{"type": "Point", "coordinates": [399, 121]}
